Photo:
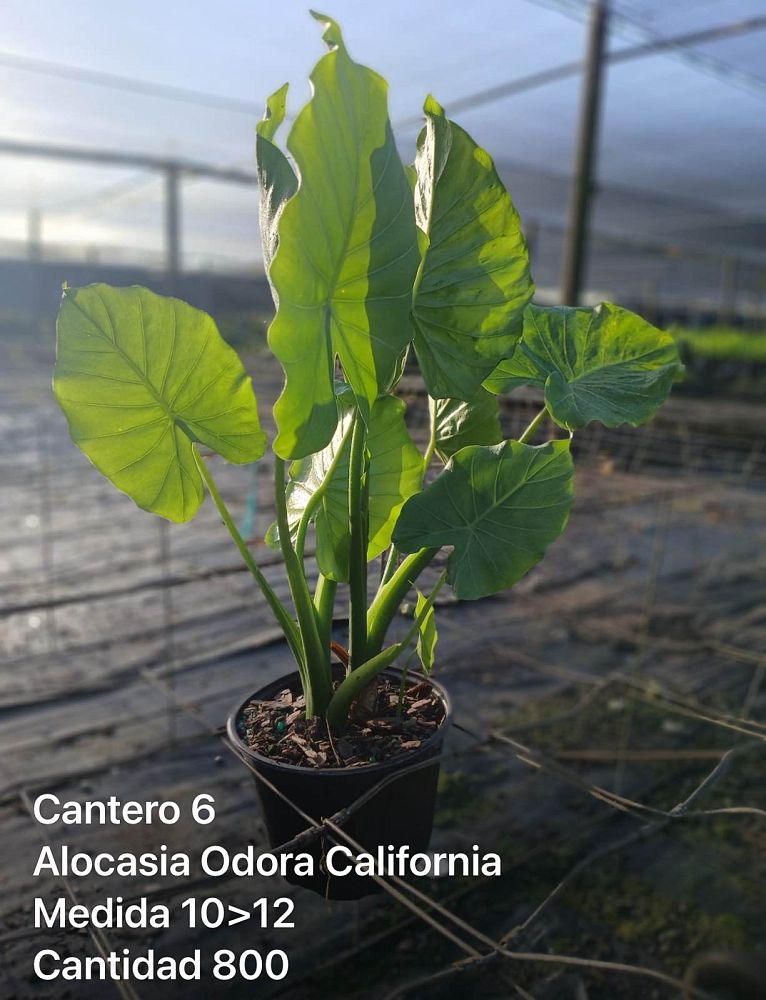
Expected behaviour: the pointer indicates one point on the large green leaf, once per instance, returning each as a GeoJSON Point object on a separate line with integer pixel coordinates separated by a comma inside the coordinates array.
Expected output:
{"type": "Point", "coordinates": [347, 253]}
{"type": "Point", "coordinates": [140, 377]}
{"type": "Point", "coordinates": [459, 424]}
{"type": "Point", "coordinates": [475, 280]}
{"type": "Point", "coordinates": [602, 364]}
{"type": "Point", "coordinates": [499, 506]}
{"type": "Point", "coordinates": [395, 473]}
{"type": "Point", "coordinates": [277, 182]}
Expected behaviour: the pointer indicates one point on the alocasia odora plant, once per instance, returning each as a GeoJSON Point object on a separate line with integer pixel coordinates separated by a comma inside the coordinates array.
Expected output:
{"type": "Point", "coordinates": [366, 258]}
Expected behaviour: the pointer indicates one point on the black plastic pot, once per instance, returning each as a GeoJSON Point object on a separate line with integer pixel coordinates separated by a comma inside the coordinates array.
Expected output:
{"type": "Point", "coordinates": [401, 813]}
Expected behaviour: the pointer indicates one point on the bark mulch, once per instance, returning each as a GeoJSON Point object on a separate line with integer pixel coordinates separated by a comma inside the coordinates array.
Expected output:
{"type": "Point", "coordinates": [377, 731]}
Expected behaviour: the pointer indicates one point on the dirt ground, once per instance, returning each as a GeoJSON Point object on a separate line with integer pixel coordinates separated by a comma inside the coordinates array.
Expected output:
{"type": "Point", "coordinates": [592, 702]}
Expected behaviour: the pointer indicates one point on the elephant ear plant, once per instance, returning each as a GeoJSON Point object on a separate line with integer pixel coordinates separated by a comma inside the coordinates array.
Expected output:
{"type": "Point", "coordinates": [367, 260]}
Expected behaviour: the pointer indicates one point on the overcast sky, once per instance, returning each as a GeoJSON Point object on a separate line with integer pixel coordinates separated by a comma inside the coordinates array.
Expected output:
{"type": "Point", "coordinates": [670, 127]}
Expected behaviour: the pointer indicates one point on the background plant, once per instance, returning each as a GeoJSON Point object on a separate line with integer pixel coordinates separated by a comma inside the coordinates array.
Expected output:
{"type": "Point", "coordinates": [722, 343]}
{"type": "Point", "coordinates": [366, 259]}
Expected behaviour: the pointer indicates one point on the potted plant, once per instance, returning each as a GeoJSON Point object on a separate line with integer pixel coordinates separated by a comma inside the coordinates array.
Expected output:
{"type": "Point", "coordinates": [368, 260]}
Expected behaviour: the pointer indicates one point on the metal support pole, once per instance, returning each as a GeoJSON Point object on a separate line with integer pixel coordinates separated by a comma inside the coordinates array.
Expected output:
{"type": "Point", "coordinates": [575, 246]}
{"type": "Point", "coordinates": [34, 258]}
{"type": "Point", "coordinates": [172, 228]}
{"type": "Point", "coordinates": [727, 309]}
{"type": "Point", "coordinates": [34, 234]}
{"type": "Point", "coordinates": [532, 234]}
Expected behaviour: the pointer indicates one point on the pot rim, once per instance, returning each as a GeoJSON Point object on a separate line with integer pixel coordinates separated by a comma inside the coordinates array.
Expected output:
{"type": "Point", "coordinates": [339, 772]}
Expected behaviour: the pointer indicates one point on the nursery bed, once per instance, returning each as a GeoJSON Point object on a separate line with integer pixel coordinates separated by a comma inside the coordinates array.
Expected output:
{"type": "Point", "coordinates": [631, 660]}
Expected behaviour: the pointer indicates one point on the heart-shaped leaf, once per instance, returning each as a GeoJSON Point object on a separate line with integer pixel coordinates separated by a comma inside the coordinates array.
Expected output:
{"type": "Point", "coordinates": [347, 253]}
{"type": "Point", "coordinates": [140, 377]}
{"type": "Point", "coordinates": [474, 281]}
{"type": "Point", "coordinates": [499, 506]}
{"type": "Point", "coordinates": [395, 473]}
{"type": "Point", "coordinates": [459, 424]}
{"type": "Point", "coordinates": [277, 182]}
{"type": "Point", "coordinates": [603, 364]}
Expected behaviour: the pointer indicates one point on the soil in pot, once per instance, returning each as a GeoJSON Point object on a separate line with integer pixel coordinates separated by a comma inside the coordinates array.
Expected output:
{"type": "Point", "coordinates": [278, 729]}
{"type": "Point", "coordinates": [322, 775]}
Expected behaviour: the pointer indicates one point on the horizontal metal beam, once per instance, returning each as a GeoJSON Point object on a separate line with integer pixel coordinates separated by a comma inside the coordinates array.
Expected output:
{"type": "Point", "coordinates": [655, 46]}
{"type": "Point", "coordinates": [115, 81]}
{"type": "Point", "coordinates": [114, 158]}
